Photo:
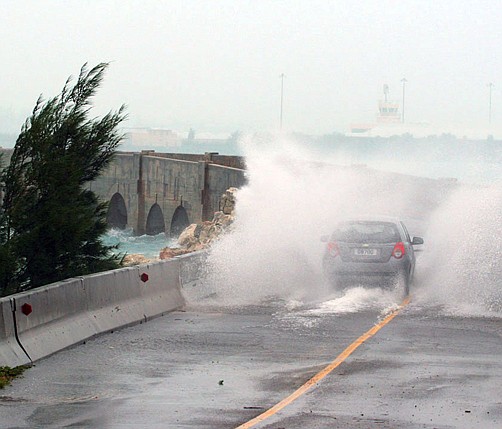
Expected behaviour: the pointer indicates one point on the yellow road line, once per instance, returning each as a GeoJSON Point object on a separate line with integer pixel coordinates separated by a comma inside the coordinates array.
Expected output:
{"type": "Point", "coordinates": [323, 373]}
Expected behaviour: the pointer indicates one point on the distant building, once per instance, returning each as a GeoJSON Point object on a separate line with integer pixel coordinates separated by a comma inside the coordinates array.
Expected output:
{"type": "Point", "coordinates": [151, 138]}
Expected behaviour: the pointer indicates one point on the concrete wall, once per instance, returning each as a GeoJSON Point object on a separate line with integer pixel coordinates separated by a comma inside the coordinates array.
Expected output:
{"type": "Point", "coordinates": [215, 158]}
{"type": "Point", "coordinates": [69, 312]}
{"type": "Point", "coordinates": [185, 181]}
{"type": "Point", "coordinates": [122, 177]}
{"type": "Point", "coordinates": [221, 178]}
{"type": "Point", "coordinates": [171, 181]}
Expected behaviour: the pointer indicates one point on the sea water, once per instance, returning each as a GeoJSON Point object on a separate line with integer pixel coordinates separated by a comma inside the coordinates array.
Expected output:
{"type": "Point", "coordinates": [128, 243]}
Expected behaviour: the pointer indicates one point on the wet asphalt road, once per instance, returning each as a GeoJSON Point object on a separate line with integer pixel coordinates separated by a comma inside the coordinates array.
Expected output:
{"type": "Point", "coordinates": [210, 367]}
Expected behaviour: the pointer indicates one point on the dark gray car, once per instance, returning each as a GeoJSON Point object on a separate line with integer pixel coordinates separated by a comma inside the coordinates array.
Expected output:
{"type": "Point", "coordinates": [371, 251]}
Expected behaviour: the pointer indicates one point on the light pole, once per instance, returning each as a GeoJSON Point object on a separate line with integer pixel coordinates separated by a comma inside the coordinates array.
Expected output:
{"type": "Point", "coordinates": [490, 87]}
{"type": "Point", "coordinates": [282, 95]}
{"type": "Point", "coordinates": [404, 86]}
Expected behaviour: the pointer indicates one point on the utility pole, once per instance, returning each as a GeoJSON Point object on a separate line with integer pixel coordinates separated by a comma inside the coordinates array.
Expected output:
{"type": "Point", "coordinates": [490, 87]}
{"type": "Point", "coordinates": [282, 95]}
{"type": "Point", "coordinates": [404, 85]}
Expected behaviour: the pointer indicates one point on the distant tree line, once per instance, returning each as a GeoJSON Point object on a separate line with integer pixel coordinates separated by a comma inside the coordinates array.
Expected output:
{"type": "Point", "coordinates": [50, 224]}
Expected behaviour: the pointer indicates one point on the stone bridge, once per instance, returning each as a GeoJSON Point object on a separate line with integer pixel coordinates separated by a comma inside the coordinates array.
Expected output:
{"type": "Point", "coordinates": [154, 192]}
{"type": "Point", "coordinates": [160, 192]}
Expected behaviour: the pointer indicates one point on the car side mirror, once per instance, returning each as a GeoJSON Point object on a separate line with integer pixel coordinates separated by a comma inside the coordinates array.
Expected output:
{"type": "Point", "coordinates": [325, 238]}
{"type": "Point", "coordinates": [417, 240]}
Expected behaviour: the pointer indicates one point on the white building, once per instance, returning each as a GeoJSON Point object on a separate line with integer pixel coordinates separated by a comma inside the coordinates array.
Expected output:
{"type": "Point", "coordinates": [153, 138]}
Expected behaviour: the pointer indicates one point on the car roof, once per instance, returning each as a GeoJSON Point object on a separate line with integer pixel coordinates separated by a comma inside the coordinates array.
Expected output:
{"type": "Point", "coordinates": [371, 218]}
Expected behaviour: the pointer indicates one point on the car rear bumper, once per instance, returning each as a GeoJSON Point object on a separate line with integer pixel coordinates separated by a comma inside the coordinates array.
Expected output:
{"type": "Point", "coordinates": [367, 273]}
{"type": "Point", "coordinates": [367, 279]}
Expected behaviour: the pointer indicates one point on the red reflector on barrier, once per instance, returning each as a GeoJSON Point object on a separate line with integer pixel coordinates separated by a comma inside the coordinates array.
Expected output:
{"type": "Point", "coordinates": [26, 309]}
{"type": "Point", "coordinates": [144, 277]}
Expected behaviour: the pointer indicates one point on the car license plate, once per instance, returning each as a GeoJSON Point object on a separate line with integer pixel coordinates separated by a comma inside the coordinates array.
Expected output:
{"type": "Point", "coordinates": [365, 252]}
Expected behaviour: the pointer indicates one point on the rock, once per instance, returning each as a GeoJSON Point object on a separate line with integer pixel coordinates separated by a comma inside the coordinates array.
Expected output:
{"type": "Point", "coordinates": [187, 237]}
{"type": "Point", "coordinates": [227, 201]}
{"type": "Point", "coordinates": [200, 236]}
{"type": "Point", "coordinates": [136, 259]}
{"type": "Point", "coordinates": [171, 252]}
{"type": "Point", "coordinates": [196, 247]}
{"type": "Point", "coordinates": [223, 219]}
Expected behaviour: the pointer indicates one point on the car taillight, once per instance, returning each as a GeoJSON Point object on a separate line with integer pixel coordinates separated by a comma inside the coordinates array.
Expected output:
{"type": "Point", "coordinates": [333, 249]}
{"type": "Point", "coordinates": [398, 251]}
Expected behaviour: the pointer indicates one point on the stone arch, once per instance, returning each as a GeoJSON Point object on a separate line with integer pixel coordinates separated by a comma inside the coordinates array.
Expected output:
{"type": "Point", "coordinates": [179, 221]}
{"type": "Point", "coordinates": [116, 217]}
{"type": "Point", "coordinates": [155, 223]}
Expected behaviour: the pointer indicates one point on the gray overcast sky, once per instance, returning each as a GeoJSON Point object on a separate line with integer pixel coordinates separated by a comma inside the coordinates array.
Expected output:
{"type": "Point", "coordinates": [215, 65]}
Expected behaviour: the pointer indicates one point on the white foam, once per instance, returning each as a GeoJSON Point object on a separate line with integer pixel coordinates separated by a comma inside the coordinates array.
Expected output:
{"type": "Point", "coordinates": [275, 251]}
{"type": "Point", "coordinates": [358, 299]}
{"type": "Point", "coordinates": [462, 270]}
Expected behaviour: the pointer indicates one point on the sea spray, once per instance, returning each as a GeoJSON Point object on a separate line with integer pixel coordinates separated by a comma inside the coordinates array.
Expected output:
{"type": "Point", "coordinates": [292, 198]}
{"type": "Point", "coordinates": [461, 269]}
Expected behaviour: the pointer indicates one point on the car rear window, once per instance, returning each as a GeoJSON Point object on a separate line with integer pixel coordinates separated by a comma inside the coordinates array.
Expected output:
{"type": "Point", "coordinates": [367, 232]}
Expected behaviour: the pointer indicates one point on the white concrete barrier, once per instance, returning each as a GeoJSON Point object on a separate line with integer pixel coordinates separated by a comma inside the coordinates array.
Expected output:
{"type": "Point", "coordinates": [69, 312]}
{"type": "Point", "coordinates": [11, 353]}
{"type": "Point", "coordinates": [193, 268]}
{"type": "Point", "coordinates": [58, 319]}
{"type": "Point", "coordinates": [155, 296]}
{"type": "Point", "coordinates": [121, 297]}
{"type": "Point", "coordinates": [114, 298]}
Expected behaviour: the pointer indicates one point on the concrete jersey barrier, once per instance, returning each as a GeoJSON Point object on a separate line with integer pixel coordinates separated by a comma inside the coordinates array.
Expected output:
{"type": "Point", "coordinates": [11, 353]}
{"type": "Point", "coordinates": [58, 318]}
{"type": "Point", "coordinates": [66, 313]}
{"type": "Point", "coordinates": [193, 268]}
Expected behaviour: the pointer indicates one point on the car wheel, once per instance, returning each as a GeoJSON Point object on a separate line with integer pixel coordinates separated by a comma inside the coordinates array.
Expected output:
{"type": "Point", "coordinates": [403, 284]}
